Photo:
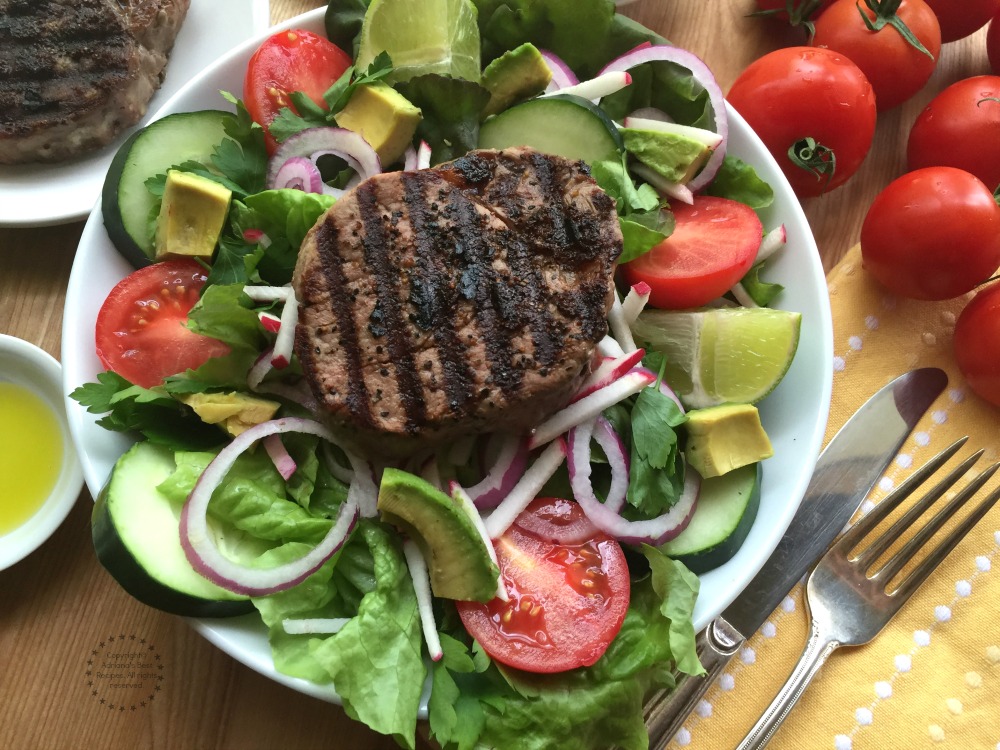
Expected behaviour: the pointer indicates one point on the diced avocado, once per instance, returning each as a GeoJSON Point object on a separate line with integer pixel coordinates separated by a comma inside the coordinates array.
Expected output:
{"type": "Point", "coordinates": [192, 215]}
{"type": "Point", "coordinates": [675, 155]}
{"type": "Point", "coordinates": [517, 74]}
{"type": "Point", "coordinates": [235, 412]}
{"type": "Point", "coordinates": [459, 564]}
{"type": "Point", "coordinates": [726, 437]}
{"type": "Point", "coordinates": [383, 117]}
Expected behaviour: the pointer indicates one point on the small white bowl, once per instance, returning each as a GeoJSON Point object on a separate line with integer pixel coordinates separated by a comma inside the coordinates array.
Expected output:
{"type": "Point", "coordinates": [26, 365]}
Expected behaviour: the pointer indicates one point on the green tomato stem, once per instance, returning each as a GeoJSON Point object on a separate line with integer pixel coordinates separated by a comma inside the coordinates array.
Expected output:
{"type": "Point", "coordinates": [885, 13]}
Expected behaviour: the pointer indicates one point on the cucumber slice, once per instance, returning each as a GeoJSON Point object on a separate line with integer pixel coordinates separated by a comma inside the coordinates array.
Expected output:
{"type": "Point", "coordinates": [562, 125]}
{"type": "Point", "coordinates": [127, 205]}
{"type": "Point", "coordinates": [137, 538]}
{"type": "Point", "coordinates": [727, 507]}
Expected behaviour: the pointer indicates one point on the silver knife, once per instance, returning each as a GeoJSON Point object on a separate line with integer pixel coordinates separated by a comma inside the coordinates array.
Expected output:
{"type": "Point", "coordinates": [845, 472]}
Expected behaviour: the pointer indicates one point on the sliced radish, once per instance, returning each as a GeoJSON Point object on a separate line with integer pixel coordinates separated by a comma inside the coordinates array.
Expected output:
{"type": "Point", "coordinates": [314, 625]}
{"type": "Point", "coordinates": [279, 456]}
{"type": "Point", "coordinates": [772, 242]}
{"type": "Point", "coordinates": [285, 340]}
{"type": "Point", "coordinates": [270, 322]}
{"type": "Point", "coordinates": [267, 293]}
{"type": "Point", "coordinates": [199, 546]}
{"type": "Point", "coordinates": [588, 407]}
{"type": "Point", "coordinates": [410, 159]}
{"type": "Point", "coordinates": [425, 602]}
{"type": "Point", "coordinates": [635, 301]}
{"type": "Point", "coordinates": [605, 84]}
{"type": "Point", "coordinates": [423, 155]}
{"type": "Point", "coordinates": [610, 348]}
{"type": "Point", "coordinates": [675, 190]}
{"type": "Point", "coordinates": [619, 326]}
{"type": "Point", "coordinates": [525, 490]}
{"type": "Point", "coordinates": [610, 370]}
{"type": "Point", "coordinates": [742, 295]}
{"type": "Point", "coordinates": [260, 368]}
{"type": "Point", "coordinates": [704, 77]}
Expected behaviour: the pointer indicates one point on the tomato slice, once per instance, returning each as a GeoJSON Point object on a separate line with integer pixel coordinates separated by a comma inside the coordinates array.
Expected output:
{"type": "Point", "coordinates": [141, 332]}
{"type": "Point", "coordinates": [567, 601]}
{"type": "Point", "coordinates": [292, 60]}
{"type": "Point", "coordinates": [712, 246]}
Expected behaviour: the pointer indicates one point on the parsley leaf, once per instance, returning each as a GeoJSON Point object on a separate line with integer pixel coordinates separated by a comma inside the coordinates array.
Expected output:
{"type": "Point", "coordinates": [762, 292]}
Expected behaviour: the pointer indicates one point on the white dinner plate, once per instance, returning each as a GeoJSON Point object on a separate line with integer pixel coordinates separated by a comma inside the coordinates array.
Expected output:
{"type": "Point", "coordinates": [34, 195]}
{"type": "Point", "coordinates": [794, 415]}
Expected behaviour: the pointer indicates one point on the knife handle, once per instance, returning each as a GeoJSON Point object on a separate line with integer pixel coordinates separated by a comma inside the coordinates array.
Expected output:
{"type": "Point", "coordinates": [666, 712]}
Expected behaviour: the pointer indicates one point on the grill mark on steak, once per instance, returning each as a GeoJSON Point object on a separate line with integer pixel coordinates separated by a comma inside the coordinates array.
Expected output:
{"type": "Point", "coordinates": [480, 277]}
{"type": "Point", "coordinates": [434, 304]}
{"type": "Point", "coordinates": [336, 287]}
{"type": "Point", "coordinates": [375, 243]}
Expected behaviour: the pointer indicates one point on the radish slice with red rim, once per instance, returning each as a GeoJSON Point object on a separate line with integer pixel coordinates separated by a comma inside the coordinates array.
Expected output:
{"type": "Point", "coordinates": [635, 301]}
{"type": "Point", "coordinates": [197, 540]}
{"type": "Point", "coordinates": [425, 602]}
{"type": "Point", "coordinates": [704, 78]}
{"type": "Point", "coordinates": [654, 531]}
{"type": "Point", "coordinates": [285, 339]}
{"type": "Point", "coordinates": [610, 369]}
{"type": "Point", "coordinates": [279, 456]}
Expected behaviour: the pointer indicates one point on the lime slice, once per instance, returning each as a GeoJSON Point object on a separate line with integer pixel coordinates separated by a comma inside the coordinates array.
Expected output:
{"type": "Point", "coordinates": [728, 355]}
{"type": "Point", "coordinates": [429, 36]}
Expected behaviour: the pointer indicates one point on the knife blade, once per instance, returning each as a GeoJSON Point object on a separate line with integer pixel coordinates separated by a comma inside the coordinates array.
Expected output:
{"type": "Point", "coordinates": [845, 473]}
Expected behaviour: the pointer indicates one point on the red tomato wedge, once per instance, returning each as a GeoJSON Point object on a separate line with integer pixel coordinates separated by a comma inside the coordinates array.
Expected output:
{"type": "Point", "coordinates": [567, 601]}
{"type": "Point", "coordinates": [712, 247]}
{"type": "Point", "coordinates": [141, 332]}
{"type": "Point", "coordinates": [288, 61]}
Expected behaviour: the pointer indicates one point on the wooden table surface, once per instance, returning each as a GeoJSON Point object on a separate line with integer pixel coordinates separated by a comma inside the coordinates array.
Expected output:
{"type": "Point", "coordinates": [60, 611]}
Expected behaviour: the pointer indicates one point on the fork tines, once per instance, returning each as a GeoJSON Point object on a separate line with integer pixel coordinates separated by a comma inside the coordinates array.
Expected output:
{"type": "Point", "coordinates": [865, 558]}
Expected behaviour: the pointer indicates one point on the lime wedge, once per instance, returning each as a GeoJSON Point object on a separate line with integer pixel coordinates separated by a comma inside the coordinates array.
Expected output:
{"type": "Point", "coordinates": [429, 36]}
{"type": "Point", "coordinates": [728, 355]}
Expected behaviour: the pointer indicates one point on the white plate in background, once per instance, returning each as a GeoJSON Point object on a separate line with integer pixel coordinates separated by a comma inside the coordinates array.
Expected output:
{"type": "Point", "coordinates": [33, 195]}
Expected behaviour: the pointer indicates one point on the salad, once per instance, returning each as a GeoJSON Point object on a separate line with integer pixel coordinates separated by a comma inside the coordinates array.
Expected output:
{"type": "Point", "coordinates": [301, 530]}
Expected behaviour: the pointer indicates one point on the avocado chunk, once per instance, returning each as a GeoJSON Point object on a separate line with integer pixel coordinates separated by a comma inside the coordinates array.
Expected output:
{"type": "Point", "coordinates": [516, 75]}
{"type": "Point", "coordinates": [191, 218]}
{"type": "Point", "coordinates": [383, 117]}
{"type": "Point", "coordinates": [725, 437]}
{"type": "Point", "coordinates": [234, 412]}
{"type": "Point", "coordinates": [459, 564]}
{"type": "Point", "coordinates": [676, 152]}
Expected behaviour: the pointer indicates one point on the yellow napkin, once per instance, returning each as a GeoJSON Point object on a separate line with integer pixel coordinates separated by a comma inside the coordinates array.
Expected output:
{"type": "Point", "coordinates": [932, 678]}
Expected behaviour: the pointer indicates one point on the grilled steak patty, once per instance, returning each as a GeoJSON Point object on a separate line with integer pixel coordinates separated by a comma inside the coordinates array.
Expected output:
{"type": "Point", "coordinates": [457, 300]}
{"type": "Point", "coordinates": [75, 73]}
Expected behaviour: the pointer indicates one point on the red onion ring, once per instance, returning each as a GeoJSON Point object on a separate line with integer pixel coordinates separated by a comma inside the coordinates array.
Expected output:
{"type": "Point", "coordinates": [562, 75]}
{"type": "Point", "coordinates": [504, 474]}
{"type": "Point", "coordinates": [614, 448]}
{"type": "Point", "coordinates": [654, 531]}
{"type": "Point", "coordinates": [346, 144]}
{"type": "Point", "coordinates": [299, 173]}
{"type": "Point", "coordinates": [704, 77]}
{"type": "Point", "coordinates": [205, 557]}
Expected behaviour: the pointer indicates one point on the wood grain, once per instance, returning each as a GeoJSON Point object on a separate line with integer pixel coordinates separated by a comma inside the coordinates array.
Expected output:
{"type": "Point", "coordinates": [59, 606]}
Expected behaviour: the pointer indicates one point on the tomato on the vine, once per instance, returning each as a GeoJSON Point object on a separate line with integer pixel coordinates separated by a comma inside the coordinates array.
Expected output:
{"type": "Point", "coordinates": [932, 234]}
{"type": "Point", "coordinates": [977, 343]}
{"type": "Point", "coordinates": [567, 600]}
{"type": "Point", "coordinates": [814, 110]}
{"type": "Point", "coordinates": [960, 18]}
{"type": "Point", "coordinates": [713, 245]}
{"type": "Point", "coordinates": [896, 66]}
{"type": "Point", "coordinates": [795, 12]}
{"type": "Point", "coordinates": [960, 128]}
{"type": "Point", "coordinates": [292, 60]}
{"type": "Point", "coordinates": [141, 332]}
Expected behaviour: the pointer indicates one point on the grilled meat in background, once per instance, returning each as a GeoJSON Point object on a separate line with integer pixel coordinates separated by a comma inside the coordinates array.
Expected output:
{"type": "Point", "coordinates": [458, 300]}
{"type": "Point", "coordinates": [76, 73]}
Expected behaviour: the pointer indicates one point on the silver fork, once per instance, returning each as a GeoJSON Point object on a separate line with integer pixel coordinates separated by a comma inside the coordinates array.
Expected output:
{"type": "Point", "coordinates": [848, 606]}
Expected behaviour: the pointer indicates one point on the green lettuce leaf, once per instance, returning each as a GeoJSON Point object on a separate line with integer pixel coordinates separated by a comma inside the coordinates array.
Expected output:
{"type": "Point", "coordinates": [451, 109]}
{"type": "Point", "coordinates": [739, 181]}
{"type": "Point", "coordinates": [762, 292]}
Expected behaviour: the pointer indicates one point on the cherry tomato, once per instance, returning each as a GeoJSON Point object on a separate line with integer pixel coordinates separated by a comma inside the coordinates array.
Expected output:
{"type": "Point", "coordinates": [993, 44]}
{"type": "Point", "coordinates": [811, 104]}
{"type": "Point", "coordinates": [141, 332]}
{"type": "Point", "coordinates": [288, 61]}
{"type": "Point", "coordinates": [977, 343]}
{"type": "Point", "coordinates": [713, 245]}
{"type": "Point", "coordinates": [960, 128]}
{"type": "Point", "coordinates": [795, 12]}
{"type": "Point", "coordinates": [932, 234]}
{"type": "Point", "coordinates": [567, 601]}
{"type": "Point", "coordinates": [960, 18]}
{"type": "Point", "coordinates": [895, 68]}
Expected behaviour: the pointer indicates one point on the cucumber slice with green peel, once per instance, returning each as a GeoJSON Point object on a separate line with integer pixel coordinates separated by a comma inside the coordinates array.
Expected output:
{"type": "Point", "coordinates": [727, 507]}
{"type": "Point", "coordinates": [561, 125]}
{"type": "Point", "coordinates": [127, 204]}
{"type": "Point", "coordinates": [136, 533]}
